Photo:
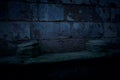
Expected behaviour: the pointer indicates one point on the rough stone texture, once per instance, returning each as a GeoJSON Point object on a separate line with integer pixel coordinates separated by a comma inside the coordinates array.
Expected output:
{"type": "Point", "coordinates": [103, 13]}
{"type": "Point", "coordinates": [111, 3]}
{"type": "Point", "coordinates": [50, 30]}
{"type": "Point", "coordinates": [62, 45]}
{"type": "Point", "coordinates": [34, 8]}
{"type": "Point", "coordinates": [80, 29]}
{"type": "Point", "coordinates": [47, 12]}
{"type": "Point", "coordinates": [94, 30]}
{"type": "Point", "coordinates": [100, 2]}
{"type": "Point", "coordinates": [19, 11]}
{"type": "Point", "coordinates": [115, 15]}
{"type": "Point", "coordinates": [51, 12]}
{"type": "Point", "coordinates": [14, 30]}
{"type": "Point", "coordinates": [118, 29]}
{"type": "Point", "coordinates": [60, 25]}
{"type": "Point", "coordinates": [78, 13]}
{"type": "Point", "coordinates": [110, 30]}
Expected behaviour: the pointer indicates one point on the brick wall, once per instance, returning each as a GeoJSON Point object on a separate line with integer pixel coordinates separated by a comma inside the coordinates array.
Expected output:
{"type": "Point", "coordinates": [60, 25]}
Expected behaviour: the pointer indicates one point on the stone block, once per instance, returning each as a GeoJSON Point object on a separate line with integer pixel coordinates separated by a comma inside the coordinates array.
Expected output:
{"type": "Point", "coordinates": [110, 40]}
{"type": "Point", "coordinates": [110, 30]}
{"type": "Point", "coordinates": [81, 13]}
{"type": "Point", "coordinates": [96, 30]}
{"type": "Point", "coordinates": [105, 3]}
{"type": "Point", "coordinates": [87, 30]}
{"type": "Point", "coordinates": [33, 0]}
{"type": "Point", "coordinates": [62, 45]}
{"type": "Point", "coordinates": [69, 45]}
{"type": "Point", "coordinates": [50, 30]}
{"type": "Point", "coordinates": [19, 11]}
{"type": "Point", "coordinates": [80, 29]}
{"type": "Point", "coordinates": [51, 12]}
{"type": "Point", "coordinates": [34, 8]}
{"type": "Point", "coordinates": [115, 15]}
{"type": "Point", "coordinates": [96, 46]}
{"type": "Point", "coordinates": [14, 30]}
{"type": "Point", "coordinates": [118, 29]}
{"type": "Point", "coordinates": [110, 3]}
{"type": "Point", "coordinates": [75, 1]}
{"type": "Point", "coordinates": [43, 0]}
{"type": "Point", "coordinates": [64, 30]}
{"type": "Point", "coordinates": [102, 13]}
{"type": "Point", "coordinates": [62, 1]}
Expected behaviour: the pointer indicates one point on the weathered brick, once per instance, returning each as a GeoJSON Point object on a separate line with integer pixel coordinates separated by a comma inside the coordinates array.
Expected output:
{"type": "Point", "coordinates": [51, 12]}
{"type": "Point", "coordinates": [19, 11]}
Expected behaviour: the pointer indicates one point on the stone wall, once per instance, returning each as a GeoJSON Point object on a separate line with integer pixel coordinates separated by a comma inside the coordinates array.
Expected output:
{"type": "Point", "coordinates": [60, 25]}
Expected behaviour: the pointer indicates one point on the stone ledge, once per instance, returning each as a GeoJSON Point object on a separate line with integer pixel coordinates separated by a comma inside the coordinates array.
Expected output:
{"type": "Point", "coordinates": [51, 58]}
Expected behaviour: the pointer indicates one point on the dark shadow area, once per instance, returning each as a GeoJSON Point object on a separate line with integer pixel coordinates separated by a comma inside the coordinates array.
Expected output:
{"type": "Point", "coordinates": [100, 68]}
